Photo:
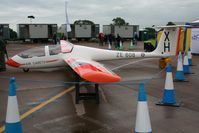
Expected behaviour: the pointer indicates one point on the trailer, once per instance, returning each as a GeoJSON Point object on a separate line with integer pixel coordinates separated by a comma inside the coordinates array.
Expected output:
{"type": "Point", "coordinates": [108, 29]}
{"type": "Point", "coordinates": [4, 31]}
{"type": "Point", "coordinates": [80, 31]}
{"type": "Point", "coordinates": [62, 31]}
{"type": "Point", "coordinates": [36, 32]}
{"type": "Point", "coordinates": [125, 31]}
{"type": "Point", "coordinates": [95, 29]}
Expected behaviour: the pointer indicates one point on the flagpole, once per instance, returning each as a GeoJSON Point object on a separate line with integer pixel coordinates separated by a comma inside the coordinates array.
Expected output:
{"type": "Point", "coordinates": [66, 20]}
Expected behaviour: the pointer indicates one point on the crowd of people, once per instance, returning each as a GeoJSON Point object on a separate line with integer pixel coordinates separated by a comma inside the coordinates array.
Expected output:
{"type": "Point", "coordinates": [110, 38]}
{"type": "Point", "coordinates": [113, 40]}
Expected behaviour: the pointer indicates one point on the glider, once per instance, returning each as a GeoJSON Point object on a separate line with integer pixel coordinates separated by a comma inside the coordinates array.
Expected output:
{"type": "Point", "coordinates": [84, 60]}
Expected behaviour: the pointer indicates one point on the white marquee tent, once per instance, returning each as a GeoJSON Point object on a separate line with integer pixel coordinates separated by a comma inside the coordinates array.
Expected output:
{"type": "Point", "coordinates": [195, 37]}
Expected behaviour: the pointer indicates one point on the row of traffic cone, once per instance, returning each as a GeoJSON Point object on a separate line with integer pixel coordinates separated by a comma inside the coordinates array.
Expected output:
{"type": "Point", "coordinates": [143, 124]}
{"type": "Point", "coordinates": [169, 95]}
{"type": "Point", "coordinates": [183, 68]}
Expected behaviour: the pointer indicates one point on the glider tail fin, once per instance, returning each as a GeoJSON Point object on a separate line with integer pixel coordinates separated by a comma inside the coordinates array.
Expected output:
{"type": "Point", "coordinates": [169, 41]}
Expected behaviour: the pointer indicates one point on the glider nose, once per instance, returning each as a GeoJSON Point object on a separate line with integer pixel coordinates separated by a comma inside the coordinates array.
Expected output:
{"type": "Point", "coordinates": [12, 63]}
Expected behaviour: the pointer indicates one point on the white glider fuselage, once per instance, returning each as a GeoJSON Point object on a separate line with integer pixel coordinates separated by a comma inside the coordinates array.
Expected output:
{"type": "Point", "coordinates": [103, 54]}
{"type": "Point", "coordinates": [83, 52]}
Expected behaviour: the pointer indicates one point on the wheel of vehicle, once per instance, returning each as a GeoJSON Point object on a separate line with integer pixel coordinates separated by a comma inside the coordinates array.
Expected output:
{"type": "Point", "coordinates": [26, 69]}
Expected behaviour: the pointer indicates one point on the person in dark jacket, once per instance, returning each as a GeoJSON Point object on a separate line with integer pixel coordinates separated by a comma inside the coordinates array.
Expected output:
{"type": "Point", "coordinates": [118, 39]}
{"type": "Point", "coordinates": [55, 38]}
{"type": "Point", "coordinates": [110, 39]}
{"type": "Point", "coordinates": [135, 38]}
{"type": "Point", "coordinates": [3, 52]}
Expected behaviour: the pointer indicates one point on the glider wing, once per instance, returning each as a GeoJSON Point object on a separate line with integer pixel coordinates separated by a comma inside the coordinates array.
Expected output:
{"type": "Point", "coordinates": [92, 71]}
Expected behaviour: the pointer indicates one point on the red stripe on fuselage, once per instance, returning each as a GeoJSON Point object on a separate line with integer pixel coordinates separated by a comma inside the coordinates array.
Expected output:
{"type": "Point", "coordinates": [51, 61]}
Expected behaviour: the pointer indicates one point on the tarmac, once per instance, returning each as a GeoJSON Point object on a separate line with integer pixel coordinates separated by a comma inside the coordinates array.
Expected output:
{"type": "Point", "coordinates": [47, 105]}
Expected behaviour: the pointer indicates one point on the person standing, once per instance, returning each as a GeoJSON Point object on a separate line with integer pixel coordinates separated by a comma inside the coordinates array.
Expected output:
{"type": "Point", "coordinates": [3, 51]}
{"type": "Point", "coordinates": [55, 38]}
{"type": "Point", "coordinates": [101, 39]}
{"type": "Point", "coordinates": [118, 39]}
{"type": "Point", "coordinates": [113, 39]}
{"type": "Point", "coordinates": [110, 37]}
{"type": "Point", "coordinates": [135, 38]}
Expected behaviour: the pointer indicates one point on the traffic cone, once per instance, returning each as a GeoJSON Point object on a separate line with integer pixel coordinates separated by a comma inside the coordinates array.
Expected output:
{"type": "Point", "coordinates": [179, 73]}
{"type": "Point", "coordinates": [169, 94]}
{"type": "Point", "coordinates": [109, 45]}
{"type": "Point", "coordinates": [131, 46]}
{"type": "Point", "coordinates": [190, 58]}
{"type": "Point", "coordinates": [121, 46]}
{"type": "Point", "coordinates": [13, 124]}
{"type": "Point", "coordinates": [143, 124]}
{"type": "Point", "coordinates": [186, 65]}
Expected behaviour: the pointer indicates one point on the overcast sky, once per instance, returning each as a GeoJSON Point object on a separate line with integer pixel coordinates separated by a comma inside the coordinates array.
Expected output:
{"type": "Point", "coordinates": [141, 12]}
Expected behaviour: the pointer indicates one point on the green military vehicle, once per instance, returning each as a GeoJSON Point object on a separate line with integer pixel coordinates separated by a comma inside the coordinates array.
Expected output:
{"type": "Point", "coordinates": [150, 45]}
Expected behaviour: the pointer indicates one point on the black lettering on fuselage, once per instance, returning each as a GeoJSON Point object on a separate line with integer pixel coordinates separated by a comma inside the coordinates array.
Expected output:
{"type": "Point", "coordinates": [125, 55]}
{"type": "Point", "coordinates": [119, 55]}
{"type": "Point", "coordinates": [142, 54]}
{"type": "Point", "coordinates": [166, 42]}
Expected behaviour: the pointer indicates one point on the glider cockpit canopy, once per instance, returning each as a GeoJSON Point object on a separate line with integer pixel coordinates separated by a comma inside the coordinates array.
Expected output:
{"type": "Point", "coordinates": [43, 50]}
